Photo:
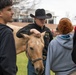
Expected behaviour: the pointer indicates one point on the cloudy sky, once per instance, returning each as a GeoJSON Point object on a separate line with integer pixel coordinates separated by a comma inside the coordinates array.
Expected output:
{"type": "Point", "coordinates": [60, 7]}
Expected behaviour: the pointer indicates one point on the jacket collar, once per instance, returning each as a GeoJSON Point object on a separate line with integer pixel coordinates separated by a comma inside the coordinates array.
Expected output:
{"type": "Point", "coordinates": [39, 26]}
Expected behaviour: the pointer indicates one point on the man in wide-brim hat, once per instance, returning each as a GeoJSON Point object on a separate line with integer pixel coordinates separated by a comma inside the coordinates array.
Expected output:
{"type": "Point", "coordinates": [38, 27]}
{"type": "Point", "coordinates": [40, 14]}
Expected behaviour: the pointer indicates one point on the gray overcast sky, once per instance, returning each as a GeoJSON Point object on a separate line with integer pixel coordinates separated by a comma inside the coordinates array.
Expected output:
{"type": "Point", "coordinates": [60, 7]}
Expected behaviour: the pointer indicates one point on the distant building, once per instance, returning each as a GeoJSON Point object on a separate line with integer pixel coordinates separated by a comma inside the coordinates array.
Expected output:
{"type": "Point", "coordinates": [24, 15]}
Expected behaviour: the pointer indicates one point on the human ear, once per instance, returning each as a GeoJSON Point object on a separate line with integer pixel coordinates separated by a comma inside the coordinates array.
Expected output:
{"type": "Point", "coordinates": [0, 13]}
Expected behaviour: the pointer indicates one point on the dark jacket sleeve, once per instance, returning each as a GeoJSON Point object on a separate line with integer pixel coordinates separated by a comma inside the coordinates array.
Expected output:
{"type": "Point", "coordinates": [51, 35]}
{"type": "Point", "coordinates": [74, 54]}
{"type": "Point", "coordinates": [25, 30]}
{"type": "Point", "coordinates": [8, 55]}
{"type": "Point", "coordinates": [74, 38]}
{"type": "Point", "coordinates": [74, 48]}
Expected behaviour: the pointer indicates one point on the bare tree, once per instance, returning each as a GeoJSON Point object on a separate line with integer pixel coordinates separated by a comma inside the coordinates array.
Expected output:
{"type": "Point", "coordinates": [26, 4]}
{"type": "Point", "coordinates": [22, 7]}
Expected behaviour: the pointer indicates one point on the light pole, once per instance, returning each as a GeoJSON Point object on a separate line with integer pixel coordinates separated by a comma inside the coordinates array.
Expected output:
{"type": "Point", "coordinates": [54, 17]}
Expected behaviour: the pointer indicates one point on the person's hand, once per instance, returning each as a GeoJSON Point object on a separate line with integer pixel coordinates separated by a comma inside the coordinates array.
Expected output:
{"type": "Point", "coordinates": [36, 32]}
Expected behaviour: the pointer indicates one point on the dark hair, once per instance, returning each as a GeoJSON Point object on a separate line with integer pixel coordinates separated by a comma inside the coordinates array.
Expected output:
{"type": "Point", "coordinates": [5, 3]}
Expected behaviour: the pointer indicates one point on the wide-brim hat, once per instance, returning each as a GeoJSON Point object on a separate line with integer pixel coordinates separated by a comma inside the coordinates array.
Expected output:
{"type": "Point", "coordinates": [40, 14]}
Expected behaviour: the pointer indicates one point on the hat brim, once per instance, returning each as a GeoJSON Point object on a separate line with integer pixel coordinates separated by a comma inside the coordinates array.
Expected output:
{"type": "Point", "coordinates": [47, 16]}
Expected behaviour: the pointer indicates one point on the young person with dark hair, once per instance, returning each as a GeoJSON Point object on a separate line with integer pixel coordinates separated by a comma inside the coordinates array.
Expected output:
{"type": "Point", "coordinates": [7, 44]}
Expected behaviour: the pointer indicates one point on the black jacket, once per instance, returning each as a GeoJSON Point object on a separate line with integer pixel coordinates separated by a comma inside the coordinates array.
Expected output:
{"type": "Point", "coordinates": [74, 48]}
{"type": "Point", "coordinates": [7, 51]}
{"type": "Point", "coordinates": [47, 38]}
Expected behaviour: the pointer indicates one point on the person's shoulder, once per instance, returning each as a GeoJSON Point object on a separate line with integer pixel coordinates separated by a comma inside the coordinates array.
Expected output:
{"type": "Point", "coordinates": [53, 42]}
{"type": "Point", "coordinates": [47, 28]}
{"type": "Point", "coordinates": [8, 30]}
{"type": "Point", "coordinates": [5, 28]}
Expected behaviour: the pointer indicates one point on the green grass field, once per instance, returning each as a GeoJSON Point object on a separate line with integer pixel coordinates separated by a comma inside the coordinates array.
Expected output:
{"type": "Point", "coordinates": [22, 64]}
